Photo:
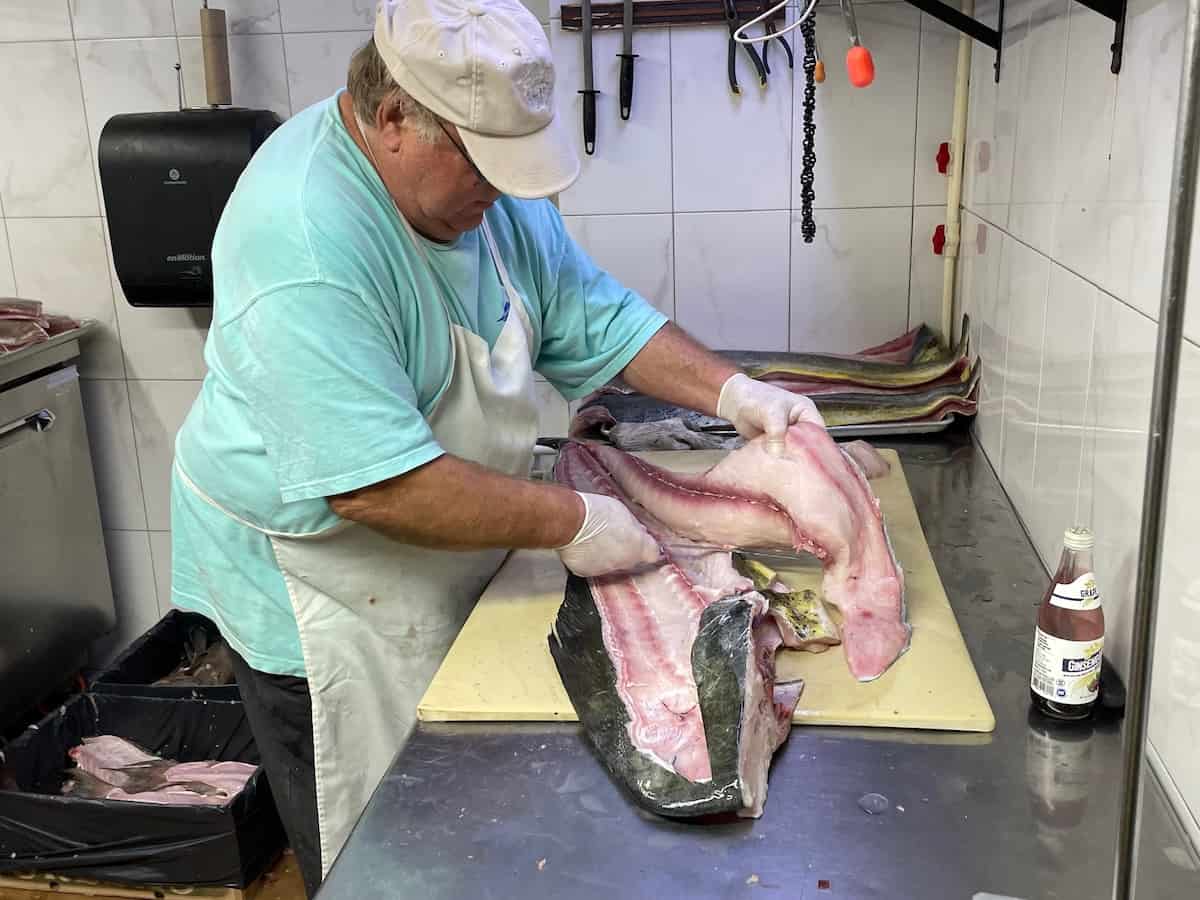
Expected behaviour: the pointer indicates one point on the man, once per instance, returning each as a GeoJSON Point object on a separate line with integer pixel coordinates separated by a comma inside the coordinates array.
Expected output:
{"type": "Point", "coordinates": [356, 466]}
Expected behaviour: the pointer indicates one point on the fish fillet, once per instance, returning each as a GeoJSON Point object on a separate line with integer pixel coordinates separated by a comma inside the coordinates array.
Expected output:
{"type": "Point", "coordinates": [671, 670]}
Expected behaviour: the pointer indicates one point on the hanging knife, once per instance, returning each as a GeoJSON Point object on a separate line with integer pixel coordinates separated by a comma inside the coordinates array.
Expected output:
{"type": "Point", "coordinates": [627, 56]}
{"type": "Point", "coordinates": [589, 84]}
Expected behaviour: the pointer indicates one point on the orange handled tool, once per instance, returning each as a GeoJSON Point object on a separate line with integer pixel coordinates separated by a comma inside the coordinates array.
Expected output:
{"type": "Point", "coordinates": [859, 65]}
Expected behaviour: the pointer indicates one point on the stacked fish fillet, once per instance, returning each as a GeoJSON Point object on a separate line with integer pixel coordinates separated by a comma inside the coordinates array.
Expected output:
{"type": "Point", "coordinates": [911, 380]}
{"type": "Point", "coordinates": [672, 670]}
{"type": "Point", "coordinates": [112, 768]}
{"type": "Point", "coordinates": [24, 323]}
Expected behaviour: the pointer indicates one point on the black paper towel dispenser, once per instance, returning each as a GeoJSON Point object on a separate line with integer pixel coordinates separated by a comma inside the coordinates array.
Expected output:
{"type": "Point", "coordinates": [166, 177]}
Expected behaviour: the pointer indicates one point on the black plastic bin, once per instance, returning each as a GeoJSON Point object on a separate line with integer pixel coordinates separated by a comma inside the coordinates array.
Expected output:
{"type": "Point", "coordinates": [155, 655]}
{"type": "Point", "coordinates": [138, 843]}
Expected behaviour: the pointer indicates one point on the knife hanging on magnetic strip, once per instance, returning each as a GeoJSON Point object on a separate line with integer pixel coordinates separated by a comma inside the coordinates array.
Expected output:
{"type": "Point", "coordinates": [589, 83]}
{"type": "Point", "coordinates": [627, 57]}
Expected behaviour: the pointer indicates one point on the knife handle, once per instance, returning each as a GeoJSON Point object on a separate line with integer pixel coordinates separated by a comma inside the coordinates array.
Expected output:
{"type": "Point", "coordinates": [589, 121]}
{"type": "Point", "coordinates": [626, 83]}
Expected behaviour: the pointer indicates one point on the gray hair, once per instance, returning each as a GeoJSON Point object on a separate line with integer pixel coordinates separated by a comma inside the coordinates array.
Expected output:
{"type": "Point", "coordinates": [371, 85]}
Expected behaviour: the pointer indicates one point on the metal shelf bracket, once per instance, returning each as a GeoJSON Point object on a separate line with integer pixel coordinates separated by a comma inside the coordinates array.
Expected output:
{"type": "Point", "coordinates": [1113, 10]}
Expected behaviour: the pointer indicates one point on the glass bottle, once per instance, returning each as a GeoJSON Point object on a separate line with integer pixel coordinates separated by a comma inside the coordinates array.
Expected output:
{"type": "Point", "coordinates": [1069, 641]}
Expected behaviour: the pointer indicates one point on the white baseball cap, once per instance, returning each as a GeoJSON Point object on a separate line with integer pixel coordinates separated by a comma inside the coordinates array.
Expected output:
{"type": "Point", "coordinates": [485, 66]}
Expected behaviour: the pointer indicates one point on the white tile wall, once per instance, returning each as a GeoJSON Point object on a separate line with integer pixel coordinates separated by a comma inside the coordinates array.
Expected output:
{"type": "Point", "coordinates": [731, 278]}
{"type": "Point", "coordinates": [159, 408]}
{"type": "Point", "coordinates": [35, 20]}
{"type": "Point", "coordinates": [1023, 280]}
{"type": "Point", "coordinates": [114, 455]}
{"type": "Point", "coordinates": [1066, 374]}
{"type": "Point", "coordinates": [1069, 166]}
{"type": "Point", "coordinates": [122, 18]}
{"type": "Point", "coordinates": [241, 16]}
{"type": "Point", "coordinates": [729, 152]}
{"type": "Point", "coordinates": [631, 170]}
{"type": "Point", "coordinates": [637, 250]}
{"type": "Point", "coordinates": [63, 263]}
{"type": "Point", "coordinates": [316, 63]}
{"type": "Point", "coordinates": [321, 15]}
{"type": "Point", "coordinates": [935, 107]}
{"type": "Point", "coordinates": [850, 286]}
{"type": "Point", "coordinates": [1084, 142]}
{"type": "Point", "coordinates": [927, 269]}
{"type": "Point", "coordinates": [46, 166]}
{"type": "Point", "coordinates": [1039, 115]}
{"type": "Point", "coordinates": [1139, 171]}
{"type": "Point", "coordinates": [134, 592]}
{"type": "Point", "coordinates": [8, 284]}
{"type": "Point", "coordinates": [160, 554]}
{"type": "Point", "coordinates": [865, 135]}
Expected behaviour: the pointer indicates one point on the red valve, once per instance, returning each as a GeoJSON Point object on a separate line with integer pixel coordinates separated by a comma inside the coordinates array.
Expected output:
{"type": "Point", "coordinates": [943, 157]}
{"type": "Point", "coordinates": [939, 240]}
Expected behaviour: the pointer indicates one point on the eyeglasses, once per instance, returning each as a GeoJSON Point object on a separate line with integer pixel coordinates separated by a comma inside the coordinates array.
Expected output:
{"type": "Point", "coordinates": [463, 152]}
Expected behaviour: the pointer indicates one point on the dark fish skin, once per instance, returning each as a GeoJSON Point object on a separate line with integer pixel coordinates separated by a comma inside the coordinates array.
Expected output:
{"type": "Point", "coordinates": [847, 408]}
{"type": "Point", "coordinates": [862, 409]}
{"type": "Point", "coordinates": [859, 371]}
{"type": "Point", "coordinates": [722, 653]}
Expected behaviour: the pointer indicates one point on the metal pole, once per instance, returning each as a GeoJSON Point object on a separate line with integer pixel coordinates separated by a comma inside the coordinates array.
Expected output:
{"type": "Point", "coordinates": [1162, 411]}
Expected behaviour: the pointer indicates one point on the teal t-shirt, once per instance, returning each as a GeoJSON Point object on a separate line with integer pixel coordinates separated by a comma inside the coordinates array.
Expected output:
{"type": "Point", "coordinates": [329, 346]}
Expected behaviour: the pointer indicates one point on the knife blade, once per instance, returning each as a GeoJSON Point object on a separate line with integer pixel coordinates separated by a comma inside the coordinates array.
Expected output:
{"type": "Point", "coordinates": [784, 555]}
{"type": "Point", "coordinates": [589, 81]}
{"type": "Point", "coordinates": [627, 57]}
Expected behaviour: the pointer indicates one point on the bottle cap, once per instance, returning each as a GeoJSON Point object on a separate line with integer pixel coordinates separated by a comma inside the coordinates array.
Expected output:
{"type": "Point", "coordinates": [1078, 538]}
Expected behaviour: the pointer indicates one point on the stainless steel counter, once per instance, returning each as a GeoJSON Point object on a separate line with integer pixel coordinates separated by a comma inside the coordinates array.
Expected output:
{"type": "Point", "coordinates": [509, 810]}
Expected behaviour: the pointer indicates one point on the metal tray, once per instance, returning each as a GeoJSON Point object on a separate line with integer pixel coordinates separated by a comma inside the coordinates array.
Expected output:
{"type": "Point", "coordinates": [879, 429]}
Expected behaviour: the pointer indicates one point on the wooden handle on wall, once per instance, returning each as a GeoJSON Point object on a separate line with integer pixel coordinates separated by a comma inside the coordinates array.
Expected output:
{"type": "Point", "coordinates": [216, 57]}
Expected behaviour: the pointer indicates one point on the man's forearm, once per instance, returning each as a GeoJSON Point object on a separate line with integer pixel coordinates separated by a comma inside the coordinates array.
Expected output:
{"type": "Point", "coordinates": [454, 504]}
{"type": "Point", "coordinates": [678, 369]}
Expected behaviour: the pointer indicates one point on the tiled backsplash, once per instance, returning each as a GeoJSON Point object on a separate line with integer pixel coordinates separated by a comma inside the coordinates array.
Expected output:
{"type": "Point", "coordinates": [709, 182]}
{"type": "Point", "coordinates": [1066, 193]}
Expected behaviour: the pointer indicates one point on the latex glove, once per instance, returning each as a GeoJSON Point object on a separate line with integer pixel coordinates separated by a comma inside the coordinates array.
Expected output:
{"type": "Point", "coordinates": [755, 407]}
{"type": "Point", "coordinates": [609, 540]}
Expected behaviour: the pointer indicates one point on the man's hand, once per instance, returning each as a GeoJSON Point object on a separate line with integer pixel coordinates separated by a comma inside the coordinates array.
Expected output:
{"type": "Point", "coordinates": [755, 407]}
{"type": "Point", "coordinates": [609, 540]}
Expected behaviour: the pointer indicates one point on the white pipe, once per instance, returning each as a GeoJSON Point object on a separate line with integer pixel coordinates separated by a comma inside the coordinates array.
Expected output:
{"type": "Point", "coordinates": [958, 140]}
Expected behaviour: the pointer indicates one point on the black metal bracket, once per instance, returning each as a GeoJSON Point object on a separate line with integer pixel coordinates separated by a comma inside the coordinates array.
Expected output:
{"type": "Point", "coordinates": [1114, 10]}
{"type": "Point", "coordinates": [971, 27]}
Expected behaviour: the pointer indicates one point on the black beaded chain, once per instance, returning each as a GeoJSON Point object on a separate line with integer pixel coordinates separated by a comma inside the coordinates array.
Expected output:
{"type": "Point", "coordinates": [808, 228]}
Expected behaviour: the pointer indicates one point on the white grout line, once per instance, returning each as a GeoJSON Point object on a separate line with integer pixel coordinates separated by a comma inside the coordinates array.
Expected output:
{"type": "Point", "coordinates": [1087, 404]}
{"type": "Point", "coordinates": [1009, 235]}
{"type": "Point", "coordinates": [287, 78]}
{"type": "Point", "coordinates": [1037, 405]}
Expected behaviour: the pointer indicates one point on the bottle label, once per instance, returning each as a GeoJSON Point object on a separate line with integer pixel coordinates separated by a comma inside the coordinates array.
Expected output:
{"type": "Point", "coordinates": [1066, 671]}
{"type": "Point", "coordinates": [1081, 593]}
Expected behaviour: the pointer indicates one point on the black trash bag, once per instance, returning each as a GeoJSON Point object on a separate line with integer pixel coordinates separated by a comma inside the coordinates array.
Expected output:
{"type": "Point", "coordinates": [140, 843]}
{"type": "Point", "coordinates": [178, 639]}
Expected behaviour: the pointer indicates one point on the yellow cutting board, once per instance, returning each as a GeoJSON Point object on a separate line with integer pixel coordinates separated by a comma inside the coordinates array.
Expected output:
{"type": "Point", "coordinates": [500, 669]}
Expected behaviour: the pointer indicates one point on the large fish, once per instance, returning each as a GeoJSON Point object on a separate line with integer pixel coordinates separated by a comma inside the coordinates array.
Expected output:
{"type": "Point", "coordinates": [861, 370]}
{"type": "Point", "coordinates": [671, 670]}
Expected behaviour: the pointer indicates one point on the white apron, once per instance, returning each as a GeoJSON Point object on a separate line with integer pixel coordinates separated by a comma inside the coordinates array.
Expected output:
{"type": "Point", "coordinates": [376, 616]}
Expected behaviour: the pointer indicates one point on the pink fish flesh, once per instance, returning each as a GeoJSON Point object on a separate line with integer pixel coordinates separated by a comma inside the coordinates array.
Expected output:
{"type": "Point", "coordinates": [691, 634]}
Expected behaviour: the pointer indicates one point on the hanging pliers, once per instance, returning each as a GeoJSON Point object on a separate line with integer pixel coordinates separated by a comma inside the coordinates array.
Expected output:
{"type": "Point", "coordinates": [731, 19]}
{"type": "Point", "coordinates": [787, 48]}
